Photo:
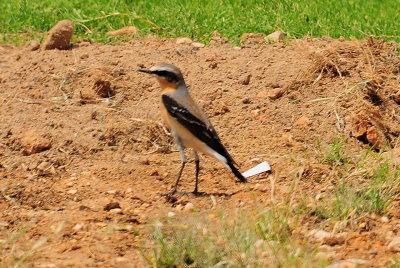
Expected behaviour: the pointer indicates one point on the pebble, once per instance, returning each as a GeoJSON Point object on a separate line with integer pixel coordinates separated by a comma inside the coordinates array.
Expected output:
{"type": "Point", "coordinates": [198, 45]}
{"type": "Point", "coordinates": [246, 80]}
{"type": "Point", "coordinates": [171, 214]}
{"type": "Point", "coordinates": [33, 45]}
{"type": "Point", "coordinates": [43, 166]}
{"type": "Point", "coordinates": [189, 207]}
{"type": "Point", "coordinates": [77, 227]}
{"type": "Point", "coordinates": [113, 192]}
{"type": "Point", "coordinates": [115, 211]}
{"type": "Point", "coordinates": [183, 40]}
{"type": "Point", "coordinates": [385, 219]}
{"type": "Point", "coordinates": [72, 191]}
{"type": "Point", "coordinates": [129, 190]}
{"type": "Point", "coordinates": [275, 36]}
{"type": "Point", "coordinates": [320, 234]}
{"type": "Point", "coordinates": [271, 94]}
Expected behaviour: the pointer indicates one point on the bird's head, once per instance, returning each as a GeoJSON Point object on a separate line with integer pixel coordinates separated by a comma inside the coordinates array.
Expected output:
{"type": "Point", "coordinates": [168, 75]}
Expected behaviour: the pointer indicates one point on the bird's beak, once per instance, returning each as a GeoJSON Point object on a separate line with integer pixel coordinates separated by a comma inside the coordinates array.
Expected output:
{"type": "Point", "coordinates": [145, 71]}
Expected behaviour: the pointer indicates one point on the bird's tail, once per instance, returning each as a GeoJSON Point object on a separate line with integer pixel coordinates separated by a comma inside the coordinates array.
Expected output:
{"type": "Point", "coordinates": [236, 172]}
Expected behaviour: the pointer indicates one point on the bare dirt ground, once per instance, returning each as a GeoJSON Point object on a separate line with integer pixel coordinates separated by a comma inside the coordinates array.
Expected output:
{"type": "Point", "coordinates": [84, 153]}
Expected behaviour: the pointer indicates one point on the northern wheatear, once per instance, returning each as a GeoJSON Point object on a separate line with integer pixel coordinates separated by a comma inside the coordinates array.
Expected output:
{"type": "Point", "coordinates": [189, 125]}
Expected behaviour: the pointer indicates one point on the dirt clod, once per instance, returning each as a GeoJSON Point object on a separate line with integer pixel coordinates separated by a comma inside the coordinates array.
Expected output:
{"type": "Point", "coordinates": [60, 35]}
{"type": "Point", "coordinates": [35, 141]}
{"type": "Point", "coordinates": [103, 88]}
{"type": "Point", "coordinates": [32, 45]}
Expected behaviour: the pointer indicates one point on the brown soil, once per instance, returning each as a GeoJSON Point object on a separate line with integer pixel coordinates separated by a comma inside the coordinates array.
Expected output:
{"type": "Point", "coordinates": [83, 149]}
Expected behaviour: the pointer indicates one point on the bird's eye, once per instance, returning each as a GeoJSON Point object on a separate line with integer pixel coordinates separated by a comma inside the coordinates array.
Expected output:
{"type": "Point", "coordinates": [169, 76]}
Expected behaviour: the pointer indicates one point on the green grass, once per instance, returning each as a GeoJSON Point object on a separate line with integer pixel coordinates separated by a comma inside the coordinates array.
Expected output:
{"type": "Point", "coordinates": [362, 184]}
{"type": "Point", "coordinates": [242, 239]}
{"type": "Point", "coordinates": [22, 20]}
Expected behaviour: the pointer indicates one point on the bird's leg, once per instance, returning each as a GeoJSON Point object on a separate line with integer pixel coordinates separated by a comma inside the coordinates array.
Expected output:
{"type": "Point", "coordinates": [197, 162]}
{"type": "Point", "coordinates": [184, 161]}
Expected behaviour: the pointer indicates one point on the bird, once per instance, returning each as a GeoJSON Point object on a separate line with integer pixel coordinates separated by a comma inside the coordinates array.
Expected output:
{"type": "Point", "coordinates": [189, 125]}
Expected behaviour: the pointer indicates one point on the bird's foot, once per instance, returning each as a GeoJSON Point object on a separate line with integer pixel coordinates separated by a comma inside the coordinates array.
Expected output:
{"type": "Point", "coordinates": [174, 191]}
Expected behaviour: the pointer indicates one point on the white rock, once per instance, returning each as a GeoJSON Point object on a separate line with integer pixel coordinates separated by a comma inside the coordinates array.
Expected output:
{"type": "Point", "coordinates": [77, 227]}
{"type": "Point", "coordinates": [198, 45]}
{"type": "Point", "coordinates": [183, 40]}
{"type": "Point", "coordinates": [115, 211]}
{"type": "Point", "coordinates": [111, 192]}
{"type": "Point", "coordinates": [275, 36]}
{"type": "Point", "coordinates": [171, 214]}
{"type": "Point", "coordinates": [320, 235]}
{"type": "Point", "coordinates": [385, 219]}
{"type": "Point", "coordinates": [72, 191]}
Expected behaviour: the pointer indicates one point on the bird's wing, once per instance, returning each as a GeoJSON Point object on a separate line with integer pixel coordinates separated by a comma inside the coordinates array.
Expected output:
{"type": "Point", "coordinates": [204, 131]}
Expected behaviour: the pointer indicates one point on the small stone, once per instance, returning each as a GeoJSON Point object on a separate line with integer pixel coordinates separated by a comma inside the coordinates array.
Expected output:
{"type": "Point", "coordinates": [303, 121]}
{"type": "Point", "coordinates": [111, 206]}
{"type": "Point", "coordinates": [246, 80]}
{"type": "Point", "coordinates": [33, 45]}
{"type": "Point", "coordinates": [43, 166]}
{"type": "Point", "coordinates": [72, 191]}
{"type": "Point", "coordinates": [198, 45]}
{"type": "Point", "coordinates": [113, 192]}
{"type": "Point", "coordinates": [171, 214]}
{"type": "Point", "coordinates": [183, 40]}
{"type": "Point", "coordinates": [60, 35]}
{"type": "Point", "coordinates": [271, 94]}
{"type": "Point", "coordinates": [246, 101]}
{"type": "Point", "coordinates": [237, 48]}
{"type": "Point", "coordinates": [121, 259]}
{"type": "Point", "coordinates": [320, 235]}
{"type": "Point", "coordinates": [115, 211]}
{"type": "Point", "coordinates": [394, 245]}
{"type": "Point", "coordinates": [125, 31]}
{"type": "Point", "coordinates": [189, 207]}
{"type": "Point", "coordinates": [275, 36]}
{"type": "Point", "coordinates": [77, 227]}
{"type": "Point", "coordinates": [154, 173]}
{"type": "Point", "coordinates": [35, 141]}
{"type": "Point", "coordinates": [385, 219]}
{"type": "Point", "coordinates": [129, 190]}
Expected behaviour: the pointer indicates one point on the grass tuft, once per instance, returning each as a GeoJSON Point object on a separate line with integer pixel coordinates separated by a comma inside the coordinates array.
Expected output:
{"type": "Point", "coordinates": [240, 239]}
{"type": "Point", "coordinates": [23, 20]}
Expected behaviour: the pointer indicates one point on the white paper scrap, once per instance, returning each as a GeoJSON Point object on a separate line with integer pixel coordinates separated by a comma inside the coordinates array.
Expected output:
{"type": "Point", "coordinates": [262, 167]}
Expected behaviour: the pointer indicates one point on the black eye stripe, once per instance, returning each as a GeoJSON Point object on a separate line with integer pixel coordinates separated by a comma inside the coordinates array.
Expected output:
{"type": "Point", "coordinates": [170, 76]}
